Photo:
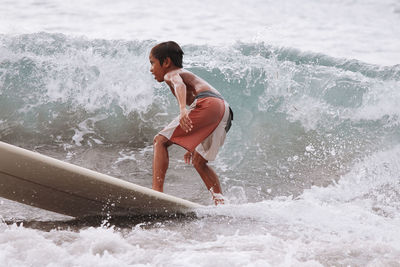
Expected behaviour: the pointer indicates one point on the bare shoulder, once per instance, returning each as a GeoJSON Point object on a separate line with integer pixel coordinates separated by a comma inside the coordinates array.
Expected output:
{"type": "Point", "coordinates": [180, 75]}
{"type": "Point", "coordinates": [187, 75]}
{"type": "Point", "coordinates": [172, 75]}
{"type": "Point", "coordinates": [192, 81]}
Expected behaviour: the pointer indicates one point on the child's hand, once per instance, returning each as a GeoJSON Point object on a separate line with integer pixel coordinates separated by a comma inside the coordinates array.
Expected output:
{"type": "Point", "coordinates": [188, 157]}
{"type": "Point", "coordinates": [184, 121]}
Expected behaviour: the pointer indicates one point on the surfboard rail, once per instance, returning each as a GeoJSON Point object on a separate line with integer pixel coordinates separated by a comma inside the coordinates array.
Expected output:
{"type": "Point", "coordinates": [41, 181]}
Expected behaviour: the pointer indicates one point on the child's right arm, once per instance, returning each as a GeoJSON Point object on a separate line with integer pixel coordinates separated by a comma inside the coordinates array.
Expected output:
{"type": "Point", "coordinates": [180, 92]}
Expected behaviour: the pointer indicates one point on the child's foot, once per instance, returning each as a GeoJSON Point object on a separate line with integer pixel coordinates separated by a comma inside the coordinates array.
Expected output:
{"type": "Point", "coordinates": [218, 199]}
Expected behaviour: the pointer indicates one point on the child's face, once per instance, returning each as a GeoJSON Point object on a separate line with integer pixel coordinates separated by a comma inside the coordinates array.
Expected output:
{"type": "Point", "coordinates": [156, 69]}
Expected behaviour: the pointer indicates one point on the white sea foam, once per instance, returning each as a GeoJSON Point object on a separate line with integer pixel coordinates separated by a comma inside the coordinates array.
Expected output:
{"type": "Point", "coordinates": [282, 233]}
{"type": "Point", "coordinates": [353, 222]}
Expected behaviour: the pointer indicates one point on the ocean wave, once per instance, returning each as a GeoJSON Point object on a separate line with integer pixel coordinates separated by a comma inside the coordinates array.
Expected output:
{"type": "Point", "coordinates": [300, 114]}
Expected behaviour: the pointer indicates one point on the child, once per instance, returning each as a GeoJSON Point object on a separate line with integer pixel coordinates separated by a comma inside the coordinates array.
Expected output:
{"type": "Point", "coordinates": [200, 129]}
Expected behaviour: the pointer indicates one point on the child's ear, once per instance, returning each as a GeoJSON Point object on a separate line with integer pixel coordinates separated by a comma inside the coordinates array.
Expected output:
{"type": "Point", "coordinates": [167, 62]}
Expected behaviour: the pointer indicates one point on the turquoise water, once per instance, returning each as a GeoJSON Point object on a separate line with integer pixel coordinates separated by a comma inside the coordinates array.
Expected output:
{"type": "Point", "coordinates": [300, 118]}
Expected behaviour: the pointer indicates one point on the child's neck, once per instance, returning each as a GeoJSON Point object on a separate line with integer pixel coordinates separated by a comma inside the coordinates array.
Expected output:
{"type": "Point", "coordinates": [171, 68]}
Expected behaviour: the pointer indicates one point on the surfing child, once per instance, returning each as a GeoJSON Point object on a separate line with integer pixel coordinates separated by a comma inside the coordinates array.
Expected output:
{"type": "Point", "coordinates": [200, 128]}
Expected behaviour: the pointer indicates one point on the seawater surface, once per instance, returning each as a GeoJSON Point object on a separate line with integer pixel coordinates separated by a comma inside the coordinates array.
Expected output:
{"type": "Point", "coordinates": [310, 168]}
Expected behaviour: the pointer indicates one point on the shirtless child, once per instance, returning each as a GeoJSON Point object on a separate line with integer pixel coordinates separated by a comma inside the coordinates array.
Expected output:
{"type": "Point", "coordinates": [200, 129]}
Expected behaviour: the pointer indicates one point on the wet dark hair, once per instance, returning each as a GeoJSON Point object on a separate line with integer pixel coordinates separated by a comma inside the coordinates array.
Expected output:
{"type": "Point", "coordinates": [168, 49]}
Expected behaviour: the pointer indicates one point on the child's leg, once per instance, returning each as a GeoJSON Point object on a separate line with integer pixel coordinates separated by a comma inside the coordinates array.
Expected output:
{"type": "Point", "coordinates": [160, 161]}
{"type": "Point", "coordinates": [209, 177]}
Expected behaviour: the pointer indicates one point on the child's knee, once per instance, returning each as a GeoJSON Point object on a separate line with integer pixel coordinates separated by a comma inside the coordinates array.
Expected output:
{"type": "Point", "coordinates": [199, 161]}
{"type": "Point", "coordinates": [160, 140]}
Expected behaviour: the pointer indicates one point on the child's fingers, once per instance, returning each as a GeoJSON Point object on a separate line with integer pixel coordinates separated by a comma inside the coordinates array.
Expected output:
{"type": "Point", "coordinates": [189, 123]}
{"type": "Point", "coordinates": [186, 124]}
{"type": "Point", "coordinates": [187, 120]}
{"type": "Point", "coordinates": [187, 157]}
{"type": "Point", "coordinates": [185, 127]}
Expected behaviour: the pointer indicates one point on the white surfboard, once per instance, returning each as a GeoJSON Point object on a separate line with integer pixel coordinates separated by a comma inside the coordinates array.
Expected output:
{"type": "Point", "coordinates": [44, 182]}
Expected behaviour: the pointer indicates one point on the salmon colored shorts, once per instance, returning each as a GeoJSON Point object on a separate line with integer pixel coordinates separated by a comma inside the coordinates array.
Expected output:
{"type": "Point", "coordinates": [209, 116]}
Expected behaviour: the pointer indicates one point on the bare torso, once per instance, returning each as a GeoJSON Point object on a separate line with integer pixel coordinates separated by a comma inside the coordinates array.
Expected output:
{"type": "Point", "coordinates": [194, 84]}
